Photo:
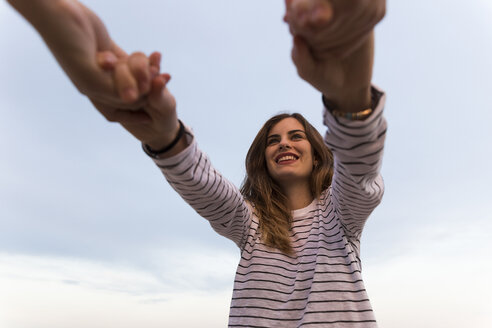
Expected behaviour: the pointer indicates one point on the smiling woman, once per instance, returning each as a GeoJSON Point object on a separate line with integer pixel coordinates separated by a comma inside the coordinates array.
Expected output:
{"type": "Point", "coordinates": [299, 264]}
{"type": "Point", "coordinates": [299, 216]}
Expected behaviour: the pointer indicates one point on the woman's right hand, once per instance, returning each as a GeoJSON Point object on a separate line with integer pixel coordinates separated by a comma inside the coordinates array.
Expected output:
{"type": "Point", "coordinates": [157, 123]}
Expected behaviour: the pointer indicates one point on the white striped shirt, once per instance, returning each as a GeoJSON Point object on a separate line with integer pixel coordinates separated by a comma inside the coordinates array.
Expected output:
{"type": "Point", "coordinates": [322, 285]}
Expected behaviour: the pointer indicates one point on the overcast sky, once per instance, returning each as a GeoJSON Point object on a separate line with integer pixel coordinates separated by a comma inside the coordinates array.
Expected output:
{"type": "Point", "coordinates": [91, 235]}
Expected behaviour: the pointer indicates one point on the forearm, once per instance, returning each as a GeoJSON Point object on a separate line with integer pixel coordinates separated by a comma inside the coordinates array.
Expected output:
{"type": "Point", "coordinates": [39, 12]}
{"type": "Point", "coordinates": [353, 94]}
{"type": "Point", "coordinates": [74, 34]}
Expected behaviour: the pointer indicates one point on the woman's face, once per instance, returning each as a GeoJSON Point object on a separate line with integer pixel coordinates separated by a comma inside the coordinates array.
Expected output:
{"type": "Point", "coordinates": [288, 154]}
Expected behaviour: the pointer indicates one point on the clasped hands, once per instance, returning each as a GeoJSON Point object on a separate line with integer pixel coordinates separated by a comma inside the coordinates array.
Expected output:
{"type": "Point", "coordinates": [332, 51]}
{"type": "Point", "coordinates": [333, 46]}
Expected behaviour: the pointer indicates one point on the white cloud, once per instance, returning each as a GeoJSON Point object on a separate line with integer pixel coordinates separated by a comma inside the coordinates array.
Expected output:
{"type": "Point", "coordinates": [441, 282]}
{"type": "Point", "coordinates": [59, 292]}
{"type": "Point", "coordinates": [424, 292]}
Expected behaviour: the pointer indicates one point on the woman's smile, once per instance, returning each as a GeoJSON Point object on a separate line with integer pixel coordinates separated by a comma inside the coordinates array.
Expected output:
{"type": "Point", "coordinates": [286, 158]}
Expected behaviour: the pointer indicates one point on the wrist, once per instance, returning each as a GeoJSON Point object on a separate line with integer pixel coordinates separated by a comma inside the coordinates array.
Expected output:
{"type": "Point", "coordinates": [165, 139]}
{"type": "Point", "coordinates": [350, 101]}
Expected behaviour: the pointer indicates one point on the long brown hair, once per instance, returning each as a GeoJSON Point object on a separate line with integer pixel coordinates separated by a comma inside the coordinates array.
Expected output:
{"type": "Point", "coordinates": [266, 196]}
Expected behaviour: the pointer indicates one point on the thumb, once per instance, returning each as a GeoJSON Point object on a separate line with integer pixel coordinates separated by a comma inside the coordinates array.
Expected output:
{"type": "Point", "coordinates": [160, 100]}
{"type": "Point", "coordinates": [303, 58]}
{"type": "Point", "coordinates": [158, 85]}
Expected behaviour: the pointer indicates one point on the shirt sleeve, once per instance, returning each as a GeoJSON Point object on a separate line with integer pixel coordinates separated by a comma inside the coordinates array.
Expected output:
{"type": "Point", "coordinates": [212, 196]}
{"type": "Point", "coordinates": [357, 147]}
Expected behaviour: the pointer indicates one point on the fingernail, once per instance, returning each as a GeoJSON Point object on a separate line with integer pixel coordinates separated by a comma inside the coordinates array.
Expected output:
{"type": "Point", "coordinates": [166, 78]}
{"type": "Point", "coordinates": [154, 71]}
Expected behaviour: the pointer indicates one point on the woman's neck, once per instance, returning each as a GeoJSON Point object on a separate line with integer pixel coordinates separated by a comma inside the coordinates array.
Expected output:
{"type": "Point", "coordinates": [298, 195]}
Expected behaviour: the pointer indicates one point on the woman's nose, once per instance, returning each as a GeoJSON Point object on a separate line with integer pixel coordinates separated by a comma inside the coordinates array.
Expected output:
{"type": "Point", "coordinates": [284, 145]}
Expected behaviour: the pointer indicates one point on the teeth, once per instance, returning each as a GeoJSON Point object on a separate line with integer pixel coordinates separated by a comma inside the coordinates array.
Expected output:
{"type": "Point", "coordinates": [286, 158]}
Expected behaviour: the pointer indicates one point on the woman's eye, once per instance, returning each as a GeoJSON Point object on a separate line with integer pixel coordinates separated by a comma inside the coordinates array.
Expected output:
{"type": "Point", "coordinates": [296, 136]}
{"type": "Point", "coordinates": [272, 141]}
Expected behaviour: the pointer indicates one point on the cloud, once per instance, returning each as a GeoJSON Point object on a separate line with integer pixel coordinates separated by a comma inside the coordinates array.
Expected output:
{"type": "Point", "coordinates": [441, 281]}
{"type": "Point", "coordinates": [61, 292]}
{"type": "Point", "coordinates": [162, 271]}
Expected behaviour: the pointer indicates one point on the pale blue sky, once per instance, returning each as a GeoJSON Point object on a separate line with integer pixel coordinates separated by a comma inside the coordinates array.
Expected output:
{"type": "Point", "coordinates": [87, 221]}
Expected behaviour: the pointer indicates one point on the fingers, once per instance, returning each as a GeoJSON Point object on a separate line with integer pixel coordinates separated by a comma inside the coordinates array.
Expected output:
{"type": "Point", "coordinates": [155, 60]}
{"type": "Point", "coordinates": [288, 4]}
{"type": "Point", "coordinates": [139, 66]}
{"type": "Point", "coordinates": [302, 57]}
{"type": "Point", "coordinates": [300, 12]}
{"type": "Point", "coordinates": [322, 14]}
{"type": "Point", "coordinates": [125, 83]}
{"type": "Point", "coordinates": [133, 75]}
{"type": "Point", "coordinates": [158, 85]}
{"type": "Point", "coordinates": [160, 100]}
{"type": "Point", "coordinates": [154, 65]}
{"type": "Point", "coordinates": [307, 14]}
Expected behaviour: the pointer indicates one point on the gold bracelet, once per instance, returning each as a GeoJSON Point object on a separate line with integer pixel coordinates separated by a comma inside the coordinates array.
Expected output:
{"type": "Point", "coordinates": [355, 116]}
{"type": "Point", "coordinates": [363, 114]}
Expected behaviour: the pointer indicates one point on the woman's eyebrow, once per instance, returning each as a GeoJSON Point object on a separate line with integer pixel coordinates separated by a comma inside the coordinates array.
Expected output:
{"type": "Point", "coordinates": [290, 132]}
{"type": "Point", "coordinates": [294, 131]}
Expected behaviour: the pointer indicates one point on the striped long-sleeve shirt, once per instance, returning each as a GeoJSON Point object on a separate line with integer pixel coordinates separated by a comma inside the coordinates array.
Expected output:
{"type": "Point", "coordinates": [322, 285]}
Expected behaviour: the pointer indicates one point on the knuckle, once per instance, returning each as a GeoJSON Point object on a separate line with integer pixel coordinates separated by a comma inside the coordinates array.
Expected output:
{"type": "Point", "coordinates": [138, 54]}
{"type": "Point", "coordinates": [139, 67]}
{"type": "Point", "coordinates": [138, 58]}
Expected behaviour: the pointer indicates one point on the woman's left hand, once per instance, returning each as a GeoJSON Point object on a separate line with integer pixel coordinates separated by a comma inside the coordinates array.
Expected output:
{"type": "Point", "coordinates": [334, 47]}
{"type": "Point", "coordinates": [337, 27]}
{"type": "Point", "coordinates": [346, 82]}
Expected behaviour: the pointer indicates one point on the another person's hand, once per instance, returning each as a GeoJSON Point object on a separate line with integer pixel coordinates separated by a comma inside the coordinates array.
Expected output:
{"type": "Point", "coordinates": [80, 42]}
{"type": "Point", "coordinates": [334, 47]}
{"type": "Point", "coordinates": [155, 122]}
{"type": "Point", "coordinates": [125, 89]}
{"type": "Point", "coordinates": [334, 27]}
